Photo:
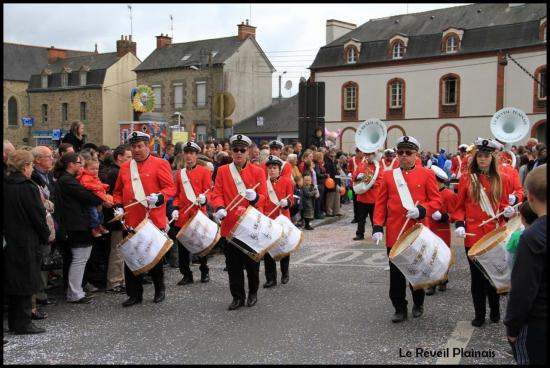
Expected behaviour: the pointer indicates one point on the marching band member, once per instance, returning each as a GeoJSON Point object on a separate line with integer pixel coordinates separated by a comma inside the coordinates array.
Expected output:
{"type": "Point", "coordinates": [398, 193]}
{"type": "Point", "coordinates": [365, 201]}
{"type": "Point", "coordinates": [191, 182]}
{"type": "Point", "coordinates": [353, 164]}
{"type": "Point", "coordinates": [280, 192]}
{"type": "Point", "coordinates": [481, 194]}
{"type": "Point", "coordinates": [238, 178]}
{"type": "Point", "coordinates": [275, 149]}
{"type": "Point", "coordinates": [460, 162]}
{"type": "Point", "coordinates": [389, 161]}
{"type": "Point", "coordinates": [147, 179]}
{"type": "Point", "coordinates": [440, 221]}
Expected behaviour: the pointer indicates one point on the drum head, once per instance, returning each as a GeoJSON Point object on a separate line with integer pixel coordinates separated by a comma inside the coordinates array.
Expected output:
{"type": "Point", "coordinates": [514, 224]}
{"type": "Point", "coordinates": [488, 242]}
{"type": "Point", "coordinates": [405, 240]}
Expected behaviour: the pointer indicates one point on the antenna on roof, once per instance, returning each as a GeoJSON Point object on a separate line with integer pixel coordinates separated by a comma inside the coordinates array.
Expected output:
{"type": "Point", "coordinates": [131, 26]}
{"type": "Point", "coordinates": [407, 8]}
{"type": "Point", "coordinates": [172, 25]}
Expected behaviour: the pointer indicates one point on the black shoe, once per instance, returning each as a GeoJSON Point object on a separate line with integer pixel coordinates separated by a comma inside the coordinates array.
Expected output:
{"type": "Point", "coordinates": [29, 329]}
{"type": "Point", "coordinates": [284, 279]}
{"type": "Point", "coordinates": [442, 287]}
{"type": "Point", "coordinates": [417, 311]}
{"type": "Point", "coordinates": [329, 215]}
{"type": "Point", "coordinates": [359, 237]}
{"type": "Point", "coordinates": [399, 317]}
{"type": "Point", "coordinates": [494, 317]}
{"type": "Point", "coordinates": [478, 322]}
{"type": "Point", "coordinates": [116, 290]}
{"type": "Point", "coordinates": [48, 301]}
{"type": "Point", "coordinates": [131, 301]}
{"type": "Point", "coordinates": [236, 304]}
{"type": "Point", "coordinates": [270, 283]}
{"type": "Point", "coordinates": [430, 290]}
{"type": "Point", "coordinates": [185, 281]}
{"type": "Point", "coordinates": [308, 228]}
{"type": "Point", "coordinates": [252, 300]}
{"type": "Point", "coordinates": [205, 277]}
{"type": "Point", "coordinates": [354, 221]}
{"type": "Point", "coordinates": [83, 300]}
{"type": "Point", "coordinates": [159, 297]}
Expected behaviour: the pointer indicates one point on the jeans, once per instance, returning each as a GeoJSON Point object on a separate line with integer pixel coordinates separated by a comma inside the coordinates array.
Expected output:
{"type": "Point", "coordinates": [76, 273]}
{"type": "Point", "coordinates": [96, 217]}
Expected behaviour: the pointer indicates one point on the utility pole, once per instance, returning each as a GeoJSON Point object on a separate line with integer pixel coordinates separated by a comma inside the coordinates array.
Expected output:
{"type": "Point", "coordinates": [172, 25]}
{"type": "Point", "coordinates": [280, 76]}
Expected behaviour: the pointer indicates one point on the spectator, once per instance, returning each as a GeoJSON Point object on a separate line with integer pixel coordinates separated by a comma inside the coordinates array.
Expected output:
{"type": "Point", "coordinates": [72, 202]}
{"type": "Point", "coordinates": [441, 159]}
{"type": "Point", "coordinates": [320, 173]}
{"type": "Point", "coordinates": [103, 152]}
{"type": "Point", "coordinates": [264, 154]}
{"type": "Point", "coordinates": [525, 319]}
{"type": "Point", "coordinates": [65, 148]}
{"type": "Point", "coordinates": [298, 151]}
{"type": "Point", "coordinates": [296, 209]}
{"type": "Point", "coordinates": [448, 164]}
{"type": "Point", "coordinates": [8, 148]}
{"type": "Point", "coordinates": [318, 139]}
{"type": "Point", "coordinates": [169, 151]}
{"type": "Point", "coordinates": [254, 152]}
{"type": "Point", "coordinates": [292, 160]}
{"type": "Point", "coordinates": [76, 136]}
{"type": "Point", "coordinates": [309, 193]}
{"type": "Point", "coordinates": [527, 218]}
{"type": "Point", "coordinates": [178, 148]}
{"type": "Point", "coordinates": [25, 230]}
{"type": "Point", "coordinates": [332, 196]}
{"type": "Point", "coordinates": [541, 155]}
{"type": "Point", "coordinates": [523, 162]}
{"type": "Point", "coordinates": [530, 147]}
{"type": "Point", "coordinates": [226, 146]}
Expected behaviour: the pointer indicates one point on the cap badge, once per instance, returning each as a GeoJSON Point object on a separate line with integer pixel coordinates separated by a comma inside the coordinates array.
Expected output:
{"type": "Point", "coordinates": [405, 139]}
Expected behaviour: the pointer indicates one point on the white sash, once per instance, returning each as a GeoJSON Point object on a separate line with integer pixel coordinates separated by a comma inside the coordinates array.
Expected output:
{"type": "Point", "coordinates": [403, 189]}
{"type": "Point", "coordinates": [388, 168]}
{"type": "Point", "coordinates": [137, 186]}
{"type": "Point", "coordinates": [484, 201]}
{"type": "Point", "coordinates": [189, 192]}
{"type": "Point", "coordinates": [459, 167]}
{"type": "Point", "coordinates": [241, 188]}
{"type": "Point", "coordinates": [271, 191]}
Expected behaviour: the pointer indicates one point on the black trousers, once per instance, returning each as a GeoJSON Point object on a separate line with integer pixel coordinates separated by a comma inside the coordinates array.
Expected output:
{"type": "Point", "coordinates": [184, 260]}
{"type": "Point", "coordinates": [271, 267]}
{"type": "Point", "coordinates": [236, 262]}
{"type": "Point", "coordinates": [363, 210]}
{"type": "Point", "coordinates": [354, 204]}
{"type": "Point", "coordinates": [398, 289]}
{"type": "Point", "coordinates": [481, 289]}
{"type": "Point", "coordinates": [19, 311]}
{"type": "Point", "coordinates": [134, 288]}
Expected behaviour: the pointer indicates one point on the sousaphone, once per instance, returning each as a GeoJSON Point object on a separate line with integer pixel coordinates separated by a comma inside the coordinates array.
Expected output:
{"type": "Point", "coordinates": [510, 125]}
{"type": "Point", "coordinates": [369, 137]}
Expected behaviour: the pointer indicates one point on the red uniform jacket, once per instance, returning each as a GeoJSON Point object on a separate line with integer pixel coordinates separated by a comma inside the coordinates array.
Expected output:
{"type": "Point", "coordinates": [463, 165]}
{"type": "Point", "coordinates": [394, 164]}
{"type": "Point", "coordinates": [285, 172]}
{"type": "Point", "coordinates": [283, 187]}
{"type": "Point", "coordinates": [156, 176]}
{"type": "Point", "coordinates": [423, 188]}
{"type": "Point", "coordinates": [225, 190]}
{"type": "Point", "coordinates": [442, 228]}
{"type": "Point", "coordinates": [370, 195]}
{"type": "Point", "coordinates": [513, 183]}
{"type": "Point", "coordinates": [94, 185]}
{"type": "Point", "coordinates": [201, 180]}
{"type": "Point", "coordinates": [353, 164]}
{"type": "Point", "coordinates": [470, 212]}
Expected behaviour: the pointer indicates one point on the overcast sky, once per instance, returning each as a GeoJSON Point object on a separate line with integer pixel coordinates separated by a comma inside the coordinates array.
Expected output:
{"type": "Point", "coordinates": [290, 34]}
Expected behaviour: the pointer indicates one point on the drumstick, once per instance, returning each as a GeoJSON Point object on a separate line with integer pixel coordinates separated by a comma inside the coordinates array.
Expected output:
{"type": "Point", "coordinates": [232, 206]}
{"type": "Point", "coordinates": [277, 206]}
{"type": "Point", "coordinates": [133, 204]}
{"type": "Point", "coordinates": [193, 204]}
{"type": "Point", "coordinates": [496, 216]}
{"type": "Point", "coordinates": [449, 230]}
{"type": "Point", "coordinates": [406, 222]}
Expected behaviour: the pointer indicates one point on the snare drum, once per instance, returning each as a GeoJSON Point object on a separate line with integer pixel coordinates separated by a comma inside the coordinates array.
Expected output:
{"type": "Point", "coordinates": [290, 241]}
{"type": "Point", "coordinates": [258, 232]}
{"type": "Point", "coordinates": [422, 257]}
{"type": "Point", "coordinates": [199, 234]}
{"type": "Point", "coordinates": [145, 248]}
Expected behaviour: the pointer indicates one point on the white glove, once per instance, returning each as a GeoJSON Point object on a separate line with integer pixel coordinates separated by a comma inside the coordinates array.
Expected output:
{"type": "Point", "coordinates": [201, 199]}
{"type": "Point", "coordinates": [360, 176]}
{"type": "Point", "coordinates": [152, 199]}
{"type": "Point", "coordinates": [436, 215]}
{"type": "Point", "coordinates": [119, 211]}
{"type": "Point", "coordinates": [283, 203]}
{"type": "Point", "coordinates": [377, 237]}
{"type": "Point", "coordinates": [509, 212]}
{"type": "Point", "coordinates": [220, 214]}
{"type": "Point", "coordinates": [175, 214]}
{"type": "Point", "coordinates": [453, 176]}
{"type": "Point", "coordinates": [460, 232]}
{"type": "Point", "coordinates": [250, 194]}
{"type": "Point", "coordinates": [413, 213]}
{"type": "Point", "coordinates": [511, 199]}
{"type": "Point", "coordinates": [349, 175]}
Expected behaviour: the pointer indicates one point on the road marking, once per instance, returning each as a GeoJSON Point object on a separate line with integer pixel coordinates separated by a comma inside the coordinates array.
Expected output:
{"type": "Point", "coordinates": [354, 254]}
{"type": "Point", "coordinates": [459, 339]}
{"type": "Point", "coordinates": [338, 264]}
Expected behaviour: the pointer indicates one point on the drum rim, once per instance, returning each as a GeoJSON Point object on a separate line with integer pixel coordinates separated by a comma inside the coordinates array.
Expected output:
{"type": "Point", "coordinates": [296, 247]}
{"type": "Point", "coordinates": [394, 249]}
{"type": "Point", "coordinates": [473, 252]}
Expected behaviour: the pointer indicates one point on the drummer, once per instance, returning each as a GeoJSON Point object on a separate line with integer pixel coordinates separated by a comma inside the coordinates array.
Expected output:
{"type": "Point", "coordinates": [227, 187]}
{"type": "Point", "coordinates": [389, 161]}
{"type": "Point", "coordinates": [275, 149]}
{"type": "Point", "coordinates": [440, 222]}
{"type": "Point", "coordinates": [475, 205]}
{"type": "Point", "coordinates": [280, 192]}
{"type": "Point", "coordinates": [366, 201]}
{"type": "Point", "coordinates": [460, 162]}
{"type": "Point", "coordinates": [154, 185]}
{"type": "Point", "coordinates": [196, 181]}
{"type": "Point", "coordinates": [418, 183]}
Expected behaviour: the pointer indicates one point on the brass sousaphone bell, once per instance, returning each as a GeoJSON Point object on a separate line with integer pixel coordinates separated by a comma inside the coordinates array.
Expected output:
{"type": "Point", "coordinates": [510, 125]}
{"type": "Point", "coordinates": [369, 137]}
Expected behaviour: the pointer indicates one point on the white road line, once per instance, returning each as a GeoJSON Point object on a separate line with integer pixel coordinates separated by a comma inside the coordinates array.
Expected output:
{"type": "Point", "coordinates": [337, 264]}
{"type": "Point", "coordinates": [459, 339]}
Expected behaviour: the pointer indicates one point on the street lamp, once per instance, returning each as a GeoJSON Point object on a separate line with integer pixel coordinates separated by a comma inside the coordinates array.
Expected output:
{"type": "Point", "coordinates": [280, 75]}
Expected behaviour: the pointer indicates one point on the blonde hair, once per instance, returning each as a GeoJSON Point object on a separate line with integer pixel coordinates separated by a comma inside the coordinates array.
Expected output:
{"type": "Point", "coordinates": [264, 154]}
{"type": "Point", "coordinates": [18, 159]}
{"type": "Point", "coordinates": [87, 159]}
{"type": "Point", "coordinates": [494, 179]}
{"type": "Point", "coordinates": [179, 162]}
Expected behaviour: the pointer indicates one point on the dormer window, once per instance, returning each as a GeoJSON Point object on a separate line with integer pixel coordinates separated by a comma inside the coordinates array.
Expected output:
{"type": "Point", "coordinates": [542, 30]}
{"type": "Point", "coordinates": [44, 80]}
{"type": "Point", "coordinates": [351, 57]}
{"type": "Point", "coordinates": [352, 49]}
{"type": "Point", "coordinates": [83, 77]}
{"type": "Point", "coordinates": [451, 45]}
{"type": "Point", "coordinates": [451, 39]}
{"type": "Point", "coordinates": [64, 79]}
{"type": "Point", "coordinates": [398, 46]}
{"type": "Point", "coordinates": [398, 50]}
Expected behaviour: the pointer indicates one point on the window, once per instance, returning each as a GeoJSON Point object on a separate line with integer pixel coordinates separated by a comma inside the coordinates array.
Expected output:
{"type": "Point", "coordinates": [350, 91]}
{"type": "Point", "coordinates": [395, 99]}
{"type": "Point", "coordinates": [45, 81]}
{"type": "Point", "coordinates": [539, 90]}
{"type": "Point", "coordinates": [44, 114]}
{"type": "Point", "coordinates": [449, 97]}
{"type": "Point", "coordinates": [451, 45]}
{"type": "Point", "coordinates": [12, 112]}
{"type": "Point", "coordinates": [83, 79]}
{"type": "Point", "coordinates": [350, 98]}
{"type": "Point", "coordinates": [396, 94]}
{"type": "Point", "coordinates": [541, 95]}
{"type": "Point", "coordinates": [178, 95]}
{"type": "Point", "coordinates": [201, 133]}
{"type": "Point", "coordinates": [398, 50]}
{"type": "Point", "coordinates": [158, 96]}
{"type": "Point", "coordinates": [64, 80]}
{"type": "Point", "coordinates": [64, 112]}
{"type": "Point", "coordinates": [83, 115]}
{"type": "Point", "coordinates": [201, 93]}
{"type": "Point", "coordinates": [351, 55]}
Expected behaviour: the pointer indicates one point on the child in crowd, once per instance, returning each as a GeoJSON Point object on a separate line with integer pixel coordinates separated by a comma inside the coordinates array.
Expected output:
{"type": "Point", "coordinates": [89, 178]}
{"type": "Point", "coordinates": [527, 218]}
{"type": "Point", "coordinates": [309, 193]}
{"type": "Point", "coordinates": [296, 209]}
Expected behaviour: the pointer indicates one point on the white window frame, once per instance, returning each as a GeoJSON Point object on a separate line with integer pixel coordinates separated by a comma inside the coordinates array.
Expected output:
{"type": "Point", "coordinates": [350, 98]}
{"type": "Point", "coordinates": [446, 91]}
{"type": "Point", "coordinates": [64, 79]}
{"type": "Point", "coordinates": [396, 95]}
{"type": "Point", "coordinates": [64, 111]}
{"type": "Point", "coordinates": [398, 51]}
{"type": "Point", "coordinates": [83, 113]}
{"type": "Point", "coordinates": [541, 86]}
{"type": "Point", "coordinates": [157, 90]}
{"type": "Point", "coordinates": [178, 104]}
{"type": "Point", "coordinates": [44, 81]}
{"type": "Point", "coordinates": [451, 45]}
{"type": "Point", "coordinates": [83, 78]}
{"type": "Point", "coordinates": [200, 103]}
{"type": "Point", "coordinates": [351, 55]}
{"type": "Point", "coordinates": [201, 133]}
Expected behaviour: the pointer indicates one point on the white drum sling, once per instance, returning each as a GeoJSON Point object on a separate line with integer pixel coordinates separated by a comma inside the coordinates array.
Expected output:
{"type": "Point", "coordinates": [290, 241]}
{"type": "Point", "coordinates": [199, 234]}
{"type": "Point", "coordinates": [422, 257]}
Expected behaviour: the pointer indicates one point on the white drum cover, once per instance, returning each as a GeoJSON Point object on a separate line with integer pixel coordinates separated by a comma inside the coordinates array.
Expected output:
{"type": "Point", "coordinates": [145, 248]}
{"type": "Point", "coordinates": [422, 257]}
{"type": "Point", "coordinates": [199, 234]}
{"type": "Point", "coordinates": [290, 241]}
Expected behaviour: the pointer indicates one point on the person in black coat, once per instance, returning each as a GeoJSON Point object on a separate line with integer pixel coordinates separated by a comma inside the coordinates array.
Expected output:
{"type": "Point", "coordinates": [72, 202]}
{"type": "Point", "coordinates": [25, 229]}
{"type": "Point", "coordinates": [76, 136]}
{"type": "Point", "coordinates": [318, 138]}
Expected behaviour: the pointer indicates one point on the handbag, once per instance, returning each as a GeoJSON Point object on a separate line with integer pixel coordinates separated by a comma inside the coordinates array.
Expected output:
{"type": "Point", "coordinates": [52, 261]}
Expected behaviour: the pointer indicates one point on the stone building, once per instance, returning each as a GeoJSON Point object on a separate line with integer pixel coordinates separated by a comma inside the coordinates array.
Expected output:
{"type": "Point", "coordinates": [187, 76]}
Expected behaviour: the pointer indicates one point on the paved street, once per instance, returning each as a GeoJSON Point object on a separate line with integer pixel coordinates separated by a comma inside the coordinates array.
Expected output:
{"type": "Point", "coordinates": [335, 310]}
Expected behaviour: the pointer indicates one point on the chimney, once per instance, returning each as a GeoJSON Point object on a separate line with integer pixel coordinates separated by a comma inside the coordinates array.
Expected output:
{"type": "Point", "coordinates": [246, 30]}
{"type": "Point", "coordinates": [337, 28]}
{"type": "Point", "coordinates": [163, 41]}
{"type": "Point", "coordinates": [125, 45]}
{"type": "Point", "coordinates": [55, 54]}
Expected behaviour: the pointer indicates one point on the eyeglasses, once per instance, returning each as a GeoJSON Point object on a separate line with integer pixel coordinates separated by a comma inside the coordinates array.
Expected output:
{"type": "Point", "coordinates": [241, 150]}
{"type": "Point", "coordinates": [407, 153]}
